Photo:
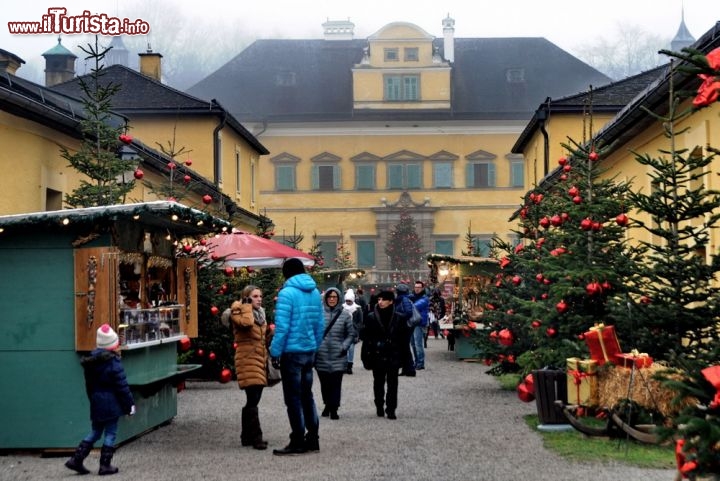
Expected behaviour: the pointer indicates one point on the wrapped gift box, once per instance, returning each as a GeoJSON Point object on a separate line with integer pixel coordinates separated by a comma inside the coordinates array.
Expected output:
{"type": "Point", "coordinates": [582, 387]}
{"type": "Point", "coordinates": [603, 344]}
{"type": "Point", "coordinates": [639, 359]}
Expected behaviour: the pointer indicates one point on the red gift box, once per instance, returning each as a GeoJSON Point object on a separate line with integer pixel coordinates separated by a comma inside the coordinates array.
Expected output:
{"type": "Point", "coordinates": [639, 359]}
{"type": "Point", "coordinates": [603, 344]}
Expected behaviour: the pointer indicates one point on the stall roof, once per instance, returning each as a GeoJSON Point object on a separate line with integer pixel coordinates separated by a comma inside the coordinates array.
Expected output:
{"type": "Point", "coordinates": [461, 259]}
{"type": "Point", "coordinates": [161, 214]}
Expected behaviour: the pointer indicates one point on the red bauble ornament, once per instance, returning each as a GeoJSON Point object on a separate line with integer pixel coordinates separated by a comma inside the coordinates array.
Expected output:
{"type": "Point", "coordinates": [543, 296]}
{"type": "Point", "coordinates": [544, 222]}
{"type": "Point", "coordinates": [138, 174]}
{"type": "Point", "coordinates": [567, 168]}
{"type": "Point", "coordinates": [563, 177]}
{"type": "Point", "coordinates": [596, 225]}
{"type": "Point", "coordinates": [516, 280]}
{"type": "Point", "coordinates": [535, 324]}
{"type": "Point", "coordinates": [203, 242]}
{"type": "Point", "coordinates": [207, 198]}
{"type": "Point", "coordinates": [214, 310]}
{"type": "Point", "coordinates": [539, 277]}
{"type": "Point", "coordinates": [524, 393]}
{"type": "Point", "coordinates": [493, 336]}
{"type": "Point", "coordinates": [562, 161]}
{"type": "Point", "coordinates": [229, 271]}
{"type": "Point", "coordinates": [586, 224]}
{"type": "Point", "coordinates": [184, 344]}
{"type": "Point", "coordinates": [212, 356]}
{"type": "Point", "coordinates": [188, 162]}
{"type": "Point", "coordinates": [565, 216]}
{"type": "Point", "coordinates": [573, 191]}
{"type": "Point", "coordinates": [593, 288]}
{"type": "Point", "coordinates": [225, 376]}
{"type": "Point", "coordinates": [171, 165]}
{"type": "Point", "coordinates": [200, 352]}
{"type": "Point", "coordinates": [645, 300]}
{"type": "Point", "coordinates": [556, 220]}
{"type": "Point", "coordinates": [504, 262]}
{"type": "Point", "coordinates": [530, 383]}
{"type": "Point", "coordinates": [593, 156]}
{"type": "Point", "coordinates": [551, 332]}
{"type": "Point", "coordinates": [505, 337]}
{"type": "Point", "coordinates": [561, 306]}
{"type": "Point", "coordinates": [577, 199]}
{"type": "Point", "coordinates": [187, 248]}
{"type": "Point", "coordinates": [471, 325]}
{"type": "Point", "coordinates": [622, 220]}
{"type": "Point", "coordinates": [125, 139]}
{"type": "Point", "coordinates": [187, 179]}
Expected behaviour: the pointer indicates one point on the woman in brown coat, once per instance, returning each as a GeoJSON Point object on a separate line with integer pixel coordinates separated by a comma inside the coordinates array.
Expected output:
{"type": "Point", "coordinates": [251, 339]}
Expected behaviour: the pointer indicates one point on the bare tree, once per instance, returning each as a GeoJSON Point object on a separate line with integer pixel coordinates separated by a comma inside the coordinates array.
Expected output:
{"type": "Point", "coordinates": [629, 51]}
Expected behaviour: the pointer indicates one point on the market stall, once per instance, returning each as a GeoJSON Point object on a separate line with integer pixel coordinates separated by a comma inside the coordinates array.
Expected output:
{"type": "Point", "coordinates": [65, 273]}
{"type": "Point", "coordinates": [461, 279]}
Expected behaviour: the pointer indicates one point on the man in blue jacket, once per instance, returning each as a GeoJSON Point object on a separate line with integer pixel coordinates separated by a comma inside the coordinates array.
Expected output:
{"type": "Point", "coordinates": [299, 327]}
{"type": "Point", "coordinates": [422, 303]}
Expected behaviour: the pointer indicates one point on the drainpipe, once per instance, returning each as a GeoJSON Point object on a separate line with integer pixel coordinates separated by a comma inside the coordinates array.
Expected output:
{"type": "Point", "coordinates": [542, 115]}
{"type": "Point", "coordinates": [217, 170]}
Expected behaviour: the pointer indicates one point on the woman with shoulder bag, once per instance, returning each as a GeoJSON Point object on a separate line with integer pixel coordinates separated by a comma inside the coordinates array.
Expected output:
{"type": "Point", "coordinates": [331, 358]}
{"type": "Point", "coordinates": [251, 355]}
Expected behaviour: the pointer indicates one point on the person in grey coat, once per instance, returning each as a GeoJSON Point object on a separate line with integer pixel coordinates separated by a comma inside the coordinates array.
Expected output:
{"type": "Point", "coordinates": [331, 359]}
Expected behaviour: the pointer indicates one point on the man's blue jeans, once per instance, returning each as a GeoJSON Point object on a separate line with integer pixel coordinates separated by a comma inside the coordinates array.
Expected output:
{"type": "Point", "coordinates": [417, 341]}
{"type": "Point", "coordinates": [297, 380]}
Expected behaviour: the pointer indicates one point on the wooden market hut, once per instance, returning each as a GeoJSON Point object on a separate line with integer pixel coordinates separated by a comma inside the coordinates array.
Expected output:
{"type": "Point", "coordinates": [65, 273]}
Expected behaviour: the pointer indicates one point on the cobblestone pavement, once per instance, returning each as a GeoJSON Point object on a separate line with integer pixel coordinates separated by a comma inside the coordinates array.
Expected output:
{"type": "Point", "coordinates": [454, 424]}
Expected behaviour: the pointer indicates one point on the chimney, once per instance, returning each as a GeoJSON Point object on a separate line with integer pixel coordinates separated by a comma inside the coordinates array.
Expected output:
{"type": "Point", "coordinates": [338, 29]}
{"type": "Point", "coordinates": [9, 62]}
{"type": "Point", "coordinates": [59, 65]}
{"type": "Point", "coordinates": [449, 34]}
{"type": "Point", "coordinates": [150, 64]}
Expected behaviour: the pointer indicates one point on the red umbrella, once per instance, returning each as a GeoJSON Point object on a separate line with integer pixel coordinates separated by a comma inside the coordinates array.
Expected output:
{"type": "Point", "coordinates": [241, 249]}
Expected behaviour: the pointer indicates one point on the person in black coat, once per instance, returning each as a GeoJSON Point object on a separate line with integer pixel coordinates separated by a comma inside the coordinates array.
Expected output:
{"type": "Point", "coordinates": [110, 397]}
{"type": "Point", "coordinates": [385, 339]}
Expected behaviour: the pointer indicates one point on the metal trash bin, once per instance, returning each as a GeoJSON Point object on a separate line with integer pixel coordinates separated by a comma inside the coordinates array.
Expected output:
{"type": "Point", "coordinates": [550, 386]}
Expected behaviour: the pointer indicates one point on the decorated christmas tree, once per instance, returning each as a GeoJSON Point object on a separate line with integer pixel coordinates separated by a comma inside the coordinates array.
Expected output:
{"type": "Point", "coordinates": [570, 263]}
{"type": "Point", "coordinates": [404, 247]}
{"type": "Point", "coordinates": [675, 297]}
{"type": "Point", "coordinates": [343, 259]}
{"type": "Point", "coordinates": [108, 178]}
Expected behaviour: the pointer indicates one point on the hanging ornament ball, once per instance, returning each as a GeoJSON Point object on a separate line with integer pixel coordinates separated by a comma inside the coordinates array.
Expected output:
{"type": "Point", "coordinates": [593, 156]}
{"type": "Point", "coordinates": [200, 352]}
{"type": "Point", "coordinates": [622, 220]}
{"type": "Point", "coordinates": [229, 271]}
{"type": "Point", "coordinates": [567, 168]}
{"type": "Point", "coordinates": [524, 393]}
{"type": "Point", "coordinates": [203, 242]}
{"type": "Point", "coordinates": [214, 310]}
{"type": "Point", "coordinates": [187, 179]}
{"type": "Point", "coordinates": [207, 198]}
{"type": "Point", "coordinates": [171, 165]}
{"type": "Point", "coordinates": [212, 356]}
{"type": "Point", "coordinates": [184, 344]}
{"type": "Point", "coordinates": [125, 138]}
{"type": "Point", "coordinates": [225, 376]}
{"type": "Point", "coordinates": [505, 337]}
{"type": "Point", "coordinates": [562, 160]}
{"type": "Point", "coordinates": [188, 162]}
{"type": "Point", "coordinates": [551, 332]}
{"type": "Point", "coordinates": [561, 306]}
{"type": "Point", "coordinates": [530, 383]}
{"type": "Point", "coordinates": [138, 174]}
{"type": "Point", "coordinates": [563, 177]}
{"type": "Point", "coordinates": [535, 324]}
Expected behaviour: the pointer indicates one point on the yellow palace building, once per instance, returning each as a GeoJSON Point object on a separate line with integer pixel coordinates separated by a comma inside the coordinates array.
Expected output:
{"type": "Point", "coordinates": [361, 129]}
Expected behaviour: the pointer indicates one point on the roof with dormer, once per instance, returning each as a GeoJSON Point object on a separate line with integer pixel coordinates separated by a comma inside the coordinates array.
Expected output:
{"type": "Point", "coordinates": [311, 80]}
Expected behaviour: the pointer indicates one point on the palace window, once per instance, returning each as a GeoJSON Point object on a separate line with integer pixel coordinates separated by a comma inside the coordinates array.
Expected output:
{"type": "Point", "coordinates": [442, 175]}
{"type": "Point", "coordinates": [444, 247]}
{"type": "Point", "coordinates": [366, 253]}
{"type": "Point", "coordinates": [326, 177]}
{"type": "Point", "coordinates": [411, 54]}
{"type": "Point", "coordinates": [285, 177]}
{"type": "Point", "coordinates": [404, 176]}
{"type": "Point", "coordinates": [365, 177]}
{"type": "Point", "coordinates": [480, 174]}
{"type": "Point", "coordinates": [392, 55]}
{"type": "Point", "coordinates": [402, 87]}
